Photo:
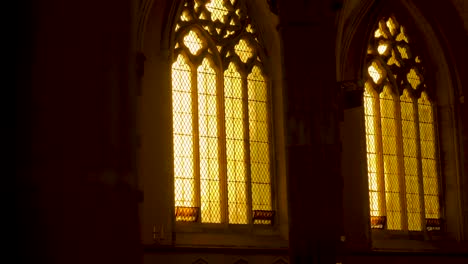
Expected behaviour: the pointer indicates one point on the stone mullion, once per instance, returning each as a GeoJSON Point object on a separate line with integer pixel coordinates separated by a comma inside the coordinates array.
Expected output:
{"type": "Point", "coordinates": [380, 157]}
{"type": "Point", "coordinates": [419, 165]}
{"type": "Point", "coordinates": [248, 171]}
{"type": "Point", "coordinates": [196, 138]}
{"type": "Point", "coordinates": [400, 162]}
{"type": "Point", "coordinates": [222, 144]}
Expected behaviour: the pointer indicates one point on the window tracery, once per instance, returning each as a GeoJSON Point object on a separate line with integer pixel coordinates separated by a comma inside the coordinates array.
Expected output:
{"type": "Point", "coordinates": [400, 134]}
{"type": "Point", "coordinates": [221, 117]}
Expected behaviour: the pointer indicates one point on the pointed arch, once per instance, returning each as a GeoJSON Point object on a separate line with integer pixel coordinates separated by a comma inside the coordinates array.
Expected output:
{"type": "Point", "coordinates": [396, 72]}
{"type": "Point", "coordinates": [231, 124]}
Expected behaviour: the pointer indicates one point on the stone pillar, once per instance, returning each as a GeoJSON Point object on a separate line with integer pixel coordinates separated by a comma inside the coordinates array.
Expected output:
{"type": "Point", "coordinates": [312, 118]}
{"type": "Point", "coordinates": [76, 171]}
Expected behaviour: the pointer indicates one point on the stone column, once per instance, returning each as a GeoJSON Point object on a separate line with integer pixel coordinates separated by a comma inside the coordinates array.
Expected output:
{"type": "Point", "coordinates": [76, 172]}
{"type": "Point", "coordinates": [312, 117]}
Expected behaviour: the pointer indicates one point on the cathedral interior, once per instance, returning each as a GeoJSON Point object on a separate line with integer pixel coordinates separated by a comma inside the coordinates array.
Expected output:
{"type": "Point", "coordinates": [240, 131]}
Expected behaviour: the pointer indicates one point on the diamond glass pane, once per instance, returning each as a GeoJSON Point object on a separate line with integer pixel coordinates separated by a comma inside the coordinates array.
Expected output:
{"type": "Point", "coordinates": [390, 159]}
{"type": "Point", "coordinates": [243, 50]}
{"type": "Point", "coordinates": [235, 149]}
{"type": "Point", "coordinates": [413, 78]}
{"type": "Point", "coordinates": [184, 185]}
{"type": "Point", "coordinates": [428, 156]}
{"type": "Point", "coordinates": [208, 144]}
{"type": "Point", "coordinates": [375, 72]}
{"type": "Point", "coordinates": [193, 42]}
{"type": "Point", "coordinates": [410, 158]}
{"type": "Point", "coordinates": [258, 141]}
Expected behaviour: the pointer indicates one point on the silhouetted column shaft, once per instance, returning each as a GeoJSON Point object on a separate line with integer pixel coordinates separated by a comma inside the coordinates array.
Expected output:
{"type": "Point", "coordinates": [313, 147]}
{"type": "Point", "coordinates": [78, 197]}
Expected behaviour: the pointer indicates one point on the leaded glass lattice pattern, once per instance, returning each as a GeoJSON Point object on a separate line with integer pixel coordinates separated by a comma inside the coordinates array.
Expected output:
{"type": "Point", "coordinates": [390, 158]}
{"type": "Point", "coordinates": [400, 133]}
{"type": "Point", "coordinates": [183, 134]}
{"type": "Point", "coordinates": [410, 158]}
{"type": "Point", "coordinates": [376, 191]}
{"type": "Point", "coordinates": [221, 120]}
{"type": "Point", "coordinates": [208, 144]}
{"type": "Point", "coordinates": [428, 156]}
{"type": "Point", "coordinates": [235, 146]}
{"type": "Point", "coordinates": [259, 141]}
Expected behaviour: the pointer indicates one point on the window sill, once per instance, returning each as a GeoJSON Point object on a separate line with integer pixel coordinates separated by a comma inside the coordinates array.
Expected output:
{"type": "Point", "coordinates": [401, 241]}
{"type": "Point", "coordinates": [215, 250]}
{"type": "Point", "coordinates": [222, 235]}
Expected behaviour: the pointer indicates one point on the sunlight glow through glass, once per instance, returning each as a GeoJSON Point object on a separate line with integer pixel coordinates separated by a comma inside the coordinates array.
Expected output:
{"type": "Point", "coordinates": [183, 129]}
{"type": "Point", "coordinates": [221, 123]}
{"type": "Point", "coordinates": [402, 167]}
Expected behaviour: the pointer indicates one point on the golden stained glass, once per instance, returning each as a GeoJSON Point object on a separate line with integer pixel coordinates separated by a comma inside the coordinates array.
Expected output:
{"type": "Point", "coordinates": [236, 171]}
{"type": "Point", "coordinates": [400, 136]}
{"type": "Point", "coordinates": [376, 190]}
{"type": "Point", "coordinates": [402, 36]}
{"type": "Point", "coordinates": [428, 156]}
{"type": "Point", "coordinates": [382, 48]}
{"type": "Point", "coordinates": [403, 52]}
{"type": "Point", "coordinates": [392, 26]}
{"type": "Point", "coordinates": [380, 31]}
{"type": "Point", "coordinates": [243, 50]}
{"type": "Point", "coordinates": [413, 78]}
{"type": "Point", "coordinates": [185, 16]}
{"type": "Point", "coordinates": [410, 158]}
{"type": "Point", "coordinates": [208, 144]}
{"type": "Point", "coordinates": [390, 158]}
{"type": "Point", "coordinates": [393, 60]}
{"type": "Point", "coordinates": [375, 72]}
{"type": "Point", "coordinates": [217, 9]}
{"type": "Point", "coordinates": [183, 129]}
{"type": "Point", "coordinates": [250, 29]}
{"type": "Point", "coordinates": [220, 118]}
{"type": "Point", "coordinates": [193, 42]}
{"type": "Point", "coordinates": [258, 139]}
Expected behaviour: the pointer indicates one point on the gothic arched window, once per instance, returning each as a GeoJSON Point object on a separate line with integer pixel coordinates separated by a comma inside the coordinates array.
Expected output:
{"type": "Point", "coordinates": [221, 117]}
{"type": "Point", "coordinates": [401, 135]}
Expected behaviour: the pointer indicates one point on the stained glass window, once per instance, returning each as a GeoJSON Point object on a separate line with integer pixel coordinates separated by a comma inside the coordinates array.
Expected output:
{"type": "Point", "coordinates": [221, 117]}
{"type": "Point", "coordinates": [400, 134]}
